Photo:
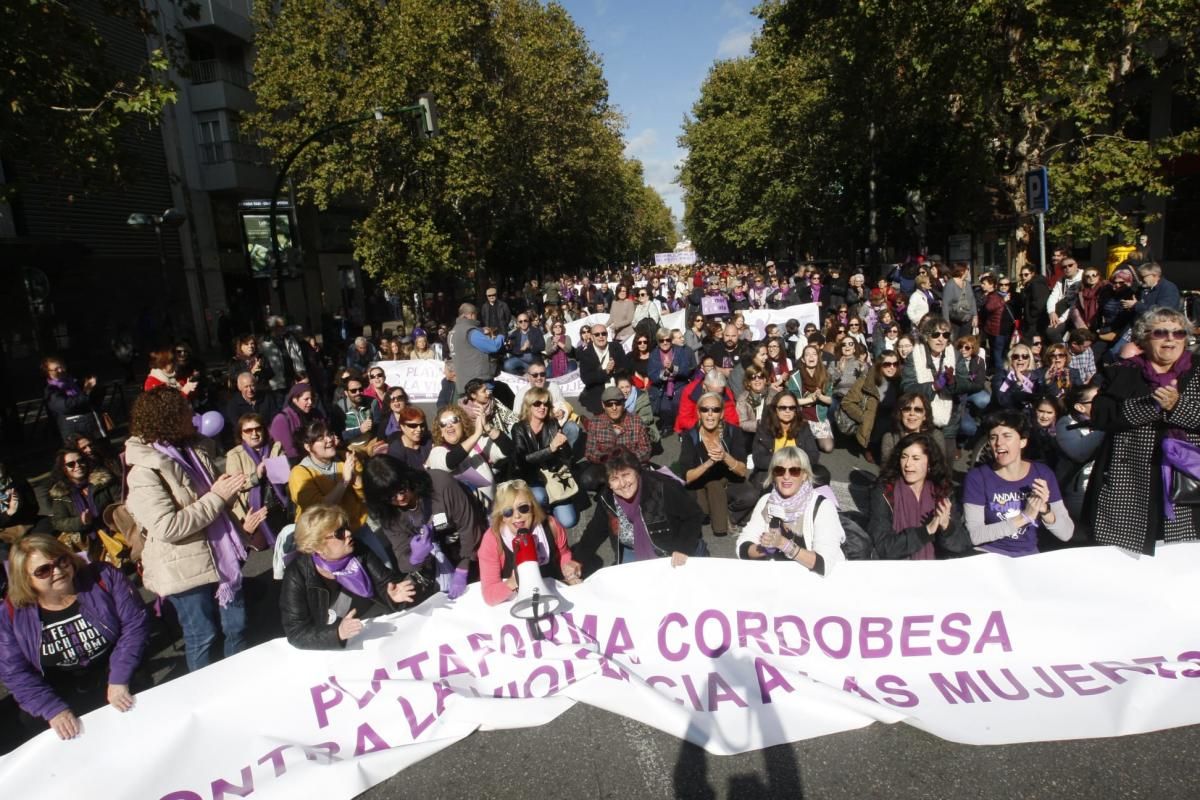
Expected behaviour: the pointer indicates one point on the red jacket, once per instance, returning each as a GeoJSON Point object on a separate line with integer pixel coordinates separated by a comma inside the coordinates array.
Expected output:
{"type": "Point", "coordinates": [688, 416]}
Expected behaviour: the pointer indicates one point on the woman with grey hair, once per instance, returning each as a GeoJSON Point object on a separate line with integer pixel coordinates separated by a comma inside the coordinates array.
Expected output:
{"type": "Point", "coordinates": [1150, 409]}
{"type": "Point", "coordinates": [792, 522]}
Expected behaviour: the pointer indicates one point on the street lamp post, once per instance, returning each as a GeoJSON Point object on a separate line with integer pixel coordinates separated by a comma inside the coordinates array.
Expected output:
{"type": "Point", "coordinates": [425, 106]}
{"type": "Point", "coordinates": [171, 218]}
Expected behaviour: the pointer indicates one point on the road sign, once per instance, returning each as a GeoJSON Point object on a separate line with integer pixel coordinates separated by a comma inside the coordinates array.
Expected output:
{"type": "Point", "coordinates": [1037, 190]}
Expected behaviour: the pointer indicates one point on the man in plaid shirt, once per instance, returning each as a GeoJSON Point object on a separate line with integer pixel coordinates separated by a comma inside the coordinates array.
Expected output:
{"type": "Point", "coordinates": [608, 431]}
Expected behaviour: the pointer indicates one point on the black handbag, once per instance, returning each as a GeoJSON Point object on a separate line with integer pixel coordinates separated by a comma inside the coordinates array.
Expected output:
{"type": "Point", "coordinates": [1185, 490]}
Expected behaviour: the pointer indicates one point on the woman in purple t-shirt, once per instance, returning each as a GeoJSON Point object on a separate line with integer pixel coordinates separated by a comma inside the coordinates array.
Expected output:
{"type": "Point", "coordinates": [1007, 501]}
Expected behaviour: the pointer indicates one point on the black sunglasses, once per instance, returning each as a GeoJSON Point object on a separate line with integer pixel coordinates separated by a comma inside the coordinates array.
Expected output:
{"type": "Point", "coordinates": [539, 404]}
{"type": "Point", "coordinates": [535, 374]}
{"type": "Point", "coordinates": [782, 407]}
{"type": "Point", "coordinates": [940, 335]}
{"type": "Point", "coordinates": [795, 472]}
{"type": "Point", "coordinates": [613, 403]}
{"type": "Point", "coordinates": [710, 410]}
{"type": "Point", "coordinates": [523, 508]}
{"type": "Point", "coordinates": [46, 570]}
{"type": "Point", "coordinates": [340, 535]}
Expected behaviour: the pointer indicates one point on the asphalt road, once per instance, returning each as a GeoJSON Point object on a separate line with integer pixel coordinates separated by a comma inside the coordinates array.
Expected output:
{"type": "Point", "coordinates": [588, 753]}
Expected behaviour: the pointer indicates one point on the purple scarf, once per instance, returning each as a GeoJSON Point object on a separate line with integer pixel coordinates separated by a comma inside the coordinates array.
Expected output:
{"type": "Point", "coordinates": [223, 538]}
{"type": "Point", "coordinates": [909, 511]}
{"type": "Point", "coordinates": [668, 358]}
{"type": "Point", "coordinates": [643, 548]}
{"type": "Point", "coordinates": [256, 493]}
{"type": "Point", "coordinates": [1176, 455]}
{"type": "Point", "coordinates": [85, 501]}
{"type": "Point", "coordinates": [349, 574]}
{"type": "Point", "coordinates": [68, 386]}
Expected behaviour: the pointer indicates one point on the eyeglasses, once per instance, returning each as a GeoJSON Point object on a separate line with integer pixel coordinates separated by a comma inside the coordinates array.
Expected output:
{"type": "Point", "coordinates": [600, 334]}
{"type": "Point", "coordinates": [613, 403]}
{"type": "Point", "coordinates": [340, 535]}
{"type": "Point", "coordinates": [710, 410]}
{"type": "Point", "coordinates": [398, 398]}
{"type": "Point", "coordinates": [519, 321]}
{"type": "Point", "coordinates": [1036, 343]}
{"type": "Point", "coordinates": [523, 508]}
{"type": "Point", "coordinates": [913, 408]}
{"type": "Point", "coordinates": [414, 424]}
{"type": "Point", "coordinates": [794, 472]}
{"type": "Point", "coordinates": [541, 374]}
{"type": "Point", "coordinates": [491, 296]}
{"type": "Point", "coordinates": [376, 375]}
{"type": "Point", "coordinates": [642, 341]}
{"type": "Point", "coordinates": [76, 464]}
{"type": "Point", "coordinates": [354, 391]}
{"type": "Point", "coordinates": [1020, 357]}
{"type": "Point", "coordinates": [254, 429]}
{"type": "Point", "coordinates": [1178, 334]}
{"type": "Point", "coordinates": [789, 407]}
{"type": "Point", "coordinates": [44, 571]}
{"type": "Point", "coordinates": [758, 377]}
{"type": "Point", "coordinates": [1059, 357]}
{"type": "Point", "coordinates": [854, 326]}
{"type": "Point", "coordinates": [539, 404]}
{"type": "Point", "coordinates": [448, 421]}
{"type": "Point", "coordinates": [940, 335]}
{"type": "Point", "coordinates": [892, 364]}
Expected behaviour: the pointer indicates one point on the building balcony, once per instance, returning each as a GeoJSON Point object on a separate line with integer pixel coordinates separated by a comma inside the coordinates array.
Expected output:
{"type": "Point", "coordinates": [231, 17]}
{"type": "Point", "coordinates": [217, 85]}
{"type": "Point", "coordinates": [236, 166]}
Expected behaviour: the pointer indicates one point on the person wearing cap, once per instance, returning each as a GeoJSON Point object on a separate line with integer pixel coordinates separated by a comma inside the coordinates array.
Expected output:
{"type": "Point", "coordinates": [615, 428]}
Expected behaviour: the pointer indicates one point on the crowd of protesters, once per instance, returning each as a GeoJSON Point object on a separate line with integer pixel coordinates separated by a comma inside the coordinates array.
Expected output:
{"type": "Point", "coordinates": [1006, 415]}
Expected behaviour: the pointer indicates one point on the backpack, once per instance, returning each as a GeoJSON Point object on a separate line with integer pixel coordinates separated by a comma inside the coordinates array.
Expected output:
{"type": "Point", "coordinates": [858, 545]}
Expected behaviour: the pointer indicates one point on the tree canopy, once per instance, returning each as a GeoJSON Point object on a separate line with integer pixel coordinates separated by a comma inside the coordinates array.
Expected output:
{"type": "Point", "coordinates": [528, 171]}
{"type": "Point", "coordinates": [951, 101]}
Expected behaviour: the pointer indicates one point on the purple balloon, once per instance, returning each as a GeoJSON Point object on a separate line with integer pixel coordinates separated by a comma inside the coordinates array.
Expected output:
{"type": "Point", "coordinates": [211, 424]}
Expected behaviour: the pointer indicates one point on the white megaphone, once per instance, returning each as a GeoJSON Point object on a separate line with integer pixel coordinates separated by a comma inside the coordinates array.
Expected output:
{"type": "Point", "coordinates": [533, 603]}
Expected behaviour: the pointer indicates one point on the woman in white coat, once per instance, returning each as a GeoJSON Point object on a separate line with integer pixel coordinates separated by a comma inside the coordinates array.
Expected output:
{"type": "Point", "coordinates": [792, 522]}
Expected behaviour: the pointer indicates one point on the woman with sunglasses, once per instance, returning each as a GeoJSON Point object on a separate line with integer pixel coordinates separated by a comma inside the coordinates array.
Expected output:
{"type": "Point", "coordinates": [851, 365]}
{"type": "Point", "coordinates": [940, 375]}
{"type": "Point", "coordinates": [335, 582]}
{"type": "Point", "coordinates": [867, 408]}
{"type": "Point", "coordinates": [471, 456]}
{"type": "Point", "coordinates": [793, 522]}
{"type": "Point", "coordinates": [914, 515]}
{"type": "Point", "coordinates": [644, 514]}
{"type": "Point", "coordinates": [670, 368]}
{"type": "Point", "coordinates": [696, 336]}
{"type": "Point", "coordinates": [1020, 385]}
{"type": "Point", "coordinates": [752, 403]}
{"type": "Point", "coordinates": [911, 415]}
{"type": "Point", "coordinates": [397, 402]}
{"type": "Point", "coordinates": [411, 443]}
{"type": "Point", "coordinates": [542, 446]}
{"type": "Point", "coordinates": [1057, 376]}
{"type": "Point", "coordinates": [376, 388]}
{"type": "Point", "coordinates": [783, 426]}
{"type": "Point", "coordinates": [1010, 502]}
{"type": "Point", "coordinates": [518, 510]}
{"type": "Point", "coordinates": [712, 458]}
{"type": "Point", "coordinates": [72, 638]}
{"type": "Point", "coordinates": [647, 316]}
{"type": "Point", "coordinates": [973, 405]}
{"type": "Point", "coordinates": [320, 479]}
{"type": "Point", "coordinates": [639, 360]}
{"type": "Point", "coordinates": [194, 553]}
{"type": "Point", "coordinates": [1146, 401]}
{"type": "Point", "coordinates": [261, 508]}
{"type": "Point", "coordinates": [78, 496]}
{"type": "Point", "coordinates": [776, 364]}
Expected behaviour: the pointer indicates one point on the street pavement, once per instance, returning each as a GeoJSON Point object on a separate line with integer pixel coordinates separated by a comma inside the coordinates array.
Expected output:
{"type": "Point", "coordinates": [590, 753]}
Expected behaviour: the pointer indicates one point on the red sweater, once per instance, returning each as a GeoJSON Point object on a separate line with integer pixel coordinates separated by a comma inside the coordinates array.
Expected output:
{"type": "Point", "coordinates": [491, 561]}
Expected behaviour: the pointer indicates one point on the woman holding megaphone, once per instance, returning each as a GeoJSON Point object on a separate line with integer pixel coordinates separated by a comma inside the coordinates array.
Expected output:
{"type": "Point", "coordinates": [516, 513]}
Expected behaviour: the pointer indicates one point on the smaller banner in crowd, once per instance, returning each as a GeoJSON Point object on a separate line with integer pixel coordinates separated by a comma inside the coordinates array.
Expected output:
{"type": "Point", "coordinates": [421, 379]}
{"type": "Point", "coordinates": [756, 319]}
{"type": "Point", "coordinates": [731, 655]}
{"type": "Point", "coordinates": [570, 384]}
{"type": "Point", "coordinates": [686, 258]}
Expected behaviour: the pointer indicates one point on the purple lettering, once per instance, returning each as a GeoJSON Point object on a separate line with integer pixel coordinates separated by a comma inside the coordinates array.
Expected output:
{"type": "Point", "coordinates": [673, 618]}
{"type": "Point", "coordinates": [658, 681]}
{"type": "Point", "coordinates": [757, 631]}
{"type": "Point", "coordinates": [323, 702]}
{"type": "Point", "coordinates": [1052, 689]}
{"type": "Point", "coordinates": [276, 759]}
{"type": "Point", "coordinates": [442, 690]}
{"type": "Point", "coordinates": [719, 691]}
{"type": "Point", "coordinates": [1017, 691]}
{"type": "Point", "coordinates": [847, 637]}
{"type": "Point", "coordinates": [326, 751]}
{"type": "Point", "coordinates": [959, 634]}
{"type": "Point", "coordinates": [480, 650]}
{"type": "Point", "coordinates": [587, 631]}
{"type": "Point", "coordinates": [875, 628]}
{"type": "Point", "coordinates": [620, 642]}
{"type": "Point", "coordinates": [181, 795]}
{"type": "Point", "coordinates": [769, 679]}
{"type": "Point", "coordinates": [994, 632]}
{"type": "Point", "coordinates": [222, 788]}
{"type": "Point", "coordinates": [908, 632]}
{"type": "Point", "coordinates": [786, 649]}
{"type": "Point", "coordinates": [691, 692]}
{"type": "Point", "coordinates": [895, 685]}
{"type": "Point", "coordinates": [368, 741]}
{"type": "Point", "coordinates": [414, 727]}
{"type": "Point", "coordinates": [963, 691]}
{"type": "Point", "coordinates": [413, 664]}
{"type": "Point", "coordinates": [449, 663]}
{"type": "Point", "coordinates": [1112, 670]}
{"type": "Point", "coordinates": [377, 680]}
{"type": "Point", "coordinates": [510, 633]}
{"type": "Point", "coordinates": [547, 671]}
{"type": "Point", "coordinates": [1076, 682]}
{"type": "Point", "coordinates": [1158, 662]}
{"type": "Point", "coordinates": [1192, 656]}
{"type": "Point", "coordinates": [702, 640]}
{"type": "Point", "coordinates": [851, 685]}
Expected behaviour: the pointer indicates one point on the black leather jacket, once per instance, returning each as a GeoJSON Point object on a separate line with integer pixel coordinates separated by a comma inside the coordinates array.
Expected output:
{"type": "Point", "coordinates": [672, 517]}
{"type": "Point", "coordinates": [533, 451]}
{"type": "Point", "coordinates": [305, 599]}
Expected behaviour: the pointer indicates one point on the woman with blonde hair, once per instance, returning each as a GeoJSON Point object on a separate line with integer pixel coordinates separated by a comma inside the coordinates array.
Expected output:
{"type": "Point", "coordinates": [334, 583]}
{"type": "Point", "coordinates": [517, 510]}
{"type": "Point", "coordinates": [542, 448]}
{"type": "Point", "coordinates": [72, 638]}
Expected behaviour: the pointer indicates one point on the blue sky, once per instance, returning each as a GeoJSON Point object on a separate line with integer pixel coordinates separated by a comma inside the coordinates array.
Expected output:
{"type": "Point", "coordinates": [656, 54]}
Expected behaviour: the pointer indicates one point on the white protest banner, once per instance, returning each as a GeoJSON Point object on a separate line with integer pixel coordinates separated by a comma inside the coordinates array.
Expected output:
{"type": "Point", "coordinates": [421, 379]}
{"type": "Point", "coordinates": [731, 655]}
{"type": "Point", "coordinates": [685, 257]}
{"type": "Point", "coordinates": [570, 384]}
{"type": "Point", "coordinates": [714, 304]}
{"type": "Point", "coordinates": [676, 319]}
{"type": "Point", "coordinates": [759, 319]}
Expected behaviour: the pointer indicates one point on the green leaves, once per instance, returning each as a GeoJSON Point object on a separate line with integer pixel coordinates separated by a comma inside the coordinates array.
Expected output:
{"type": "Point", "coordinates": [528, 170]}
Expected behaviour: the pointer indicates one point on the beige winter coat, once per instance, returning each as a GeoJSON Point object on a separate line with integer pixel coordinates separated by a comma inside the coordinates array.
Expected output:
{"type": "Point", "coordinates": [162, 499]}
{"type": "Point", "coordinates": [238, 462]}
